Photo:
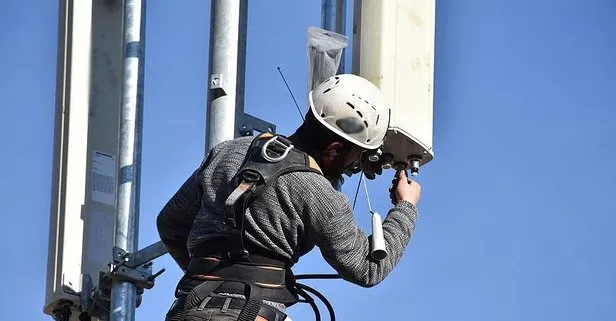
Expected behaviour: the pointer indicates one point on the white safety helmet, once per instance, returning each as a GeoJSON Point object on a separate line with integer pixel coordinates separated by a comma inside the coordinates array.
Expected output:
{"type": "Point", "coordinates": [353, 108]}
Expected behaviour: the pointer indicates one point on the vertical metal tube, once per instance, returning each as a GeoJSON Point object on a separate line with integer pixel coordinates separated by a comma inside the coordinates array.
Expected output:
{"type": "Point", "coordinates": [226, 69]}
{"type": "Point", "coordinates": [333, 18]}
{"type": "Point", "coordinates": [123, 294]}
{"type": "Point", "coordinates": [241, 67]}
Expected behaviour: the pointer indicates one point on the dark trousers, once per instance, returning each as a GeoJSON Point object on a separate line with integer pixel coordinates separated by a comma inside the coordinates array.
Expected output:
{"type": "Point", "coordinates": [216, 308]}
{"type": "Point", "coordinates": [204, 314]}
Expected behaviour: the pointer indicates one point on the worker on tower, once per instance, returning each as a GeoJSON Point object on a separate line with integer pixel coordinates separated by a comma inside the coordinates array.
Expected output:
{"type": "Point", "coordinates": [255, 205]}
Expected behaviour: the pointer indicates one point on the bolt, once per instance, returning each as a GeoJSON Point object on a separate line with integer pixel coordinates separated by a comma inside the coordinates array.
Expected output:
{"type": "Point", "coordinates": [375, 157]}
{"type": "Point", "coordinates": [387, 159]}
{"type": "Point", "coordinates": [415, 162]}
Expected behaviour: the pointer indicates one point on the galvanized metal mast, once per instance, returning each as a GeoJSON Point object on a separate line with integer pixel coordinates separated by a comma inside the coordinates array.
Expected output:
{"type": "Point", "coordinates": [333, 18]}
{"type": "Point", "coordinates": [226, 70]}
{"type": "Point", "coordinates": [123, 293]}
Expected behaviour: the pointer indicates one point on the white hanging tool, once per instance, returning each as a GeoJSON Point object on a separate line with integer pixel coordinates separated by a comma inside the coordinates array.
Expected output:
{"type": "Point", "coordinates": [378, 250]}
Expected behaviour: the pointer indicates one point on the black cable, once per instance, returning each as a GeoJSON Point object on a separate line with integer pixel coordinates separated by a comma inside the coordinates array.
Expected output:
{"type": "Point", "coordinates": [330, 309]}
{"type": "Point", "coordinates": [292, 96]}
{"type": "Point", "coordinates": [302, 288]}
{"type": "Point", "coordinates": [361, 176]}
{"type": "Point", "coordinates": [308, 299]}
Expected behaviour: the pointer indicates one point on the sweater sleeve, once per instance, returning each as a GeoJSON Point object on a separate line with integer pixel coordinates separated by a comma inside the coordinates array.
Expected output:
{"type": "Point", "coordinates": [341, 241]}
{"type": "Point", "coordinates": [175, 220]}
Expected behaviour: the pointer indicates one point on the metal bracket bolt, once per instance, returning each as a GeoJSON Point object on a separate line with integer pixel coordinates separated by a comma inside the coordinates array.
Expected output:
{"type": "Point", "coordinates": [122, 269]}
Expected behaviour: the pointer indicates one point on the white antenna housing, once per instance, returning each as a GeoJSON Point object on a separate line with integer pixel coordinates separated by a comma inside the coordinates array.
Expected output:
{"type": "Point", "coordinates": [83, 195]}
{"type": "Point", "coordinates": [393, 46]}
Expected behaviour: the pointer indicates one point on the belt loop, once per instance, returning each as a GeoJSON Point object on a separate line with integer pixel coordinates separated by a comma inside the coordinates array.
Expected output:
{"type": "Point", "coordinates": [202, 305]}
{"type": "Point", "coordinates": [225, 306]}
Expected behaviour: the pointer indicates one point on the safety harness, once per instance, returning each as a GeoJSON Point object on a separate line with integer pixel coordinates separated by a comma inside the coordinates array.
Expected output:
{"type": "Point", "coordinates": [232, 266]}
{"type": "Point", "coordinates": [268, 158]}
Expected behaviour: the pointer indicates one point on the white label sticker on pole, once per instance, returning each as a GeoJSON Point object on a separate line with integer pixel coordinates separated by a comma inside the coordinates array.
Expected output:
{"type": "Point", "coordinates": [103, 178]}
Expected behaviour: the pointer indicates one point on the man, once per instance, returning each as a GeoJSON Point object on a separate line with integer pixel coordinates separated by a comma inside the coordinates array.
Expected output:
{"type": "Point", "coordinates": [348, 119]}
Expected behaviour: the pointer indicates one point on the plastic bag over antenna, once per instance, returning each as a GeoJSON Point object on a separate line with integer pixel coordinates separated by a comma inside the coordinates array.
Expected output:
{"type": "Point", "coordinates": [324, 54]}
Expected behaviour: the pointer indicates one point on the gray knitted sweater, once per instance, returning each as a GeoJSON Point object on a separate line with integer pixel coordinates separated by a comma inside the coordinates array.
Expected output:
{"type": "Point", "coordinates": [300, 211]}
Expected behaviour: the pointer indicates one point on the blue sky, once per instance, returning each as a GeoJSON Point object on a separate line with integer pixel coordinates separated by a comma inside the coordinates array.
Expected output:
{"type": "Point", "coordinates": [517, 213]}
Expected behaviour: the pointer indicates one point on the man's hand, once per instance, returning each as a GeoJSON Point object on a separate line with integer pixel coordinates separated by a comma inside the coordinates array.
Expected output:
{"type": "Point", "coordinates": [404, 189]}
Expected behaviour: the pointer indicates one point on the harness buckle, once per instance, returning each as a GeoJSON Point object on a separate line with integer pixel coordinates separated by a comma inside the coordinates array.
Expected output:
{"type": "Point", "coordinates": [251, 176]}
{"type": "Point", "coordinates": [286, 145]}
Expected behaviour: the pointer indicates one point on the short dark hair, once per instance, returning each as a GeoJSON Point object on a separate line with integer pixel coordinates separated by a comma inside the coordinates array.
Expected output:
{"type": "Point", "coordinates": [320, 137]}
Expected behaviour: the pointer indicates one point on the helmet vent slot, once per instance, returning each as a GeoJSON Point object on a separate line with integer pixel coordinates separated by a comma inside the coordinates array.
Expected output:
{"type": "Point", "coordinates": [350, 105]}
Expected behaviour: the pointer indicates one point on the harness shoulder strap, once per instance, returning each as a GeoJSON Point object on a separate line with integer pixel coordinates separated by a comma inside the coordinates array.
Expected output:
{"type": "Point", "coordinates": [268, 157]}
{"type": "Point", "coordinates": [312, 163]}
{"type": "Point", "coordinates": [271, 156]}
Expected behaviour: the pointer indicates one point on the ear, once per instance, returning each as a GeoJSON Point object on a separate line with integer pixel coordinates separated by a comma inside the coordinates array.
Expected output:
{"type": "Point", "coordinates": [331, 151]}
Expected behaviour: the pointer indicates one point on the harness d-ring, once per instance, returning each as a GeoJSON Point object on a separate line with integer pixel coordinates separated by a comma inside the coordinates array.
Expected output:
{"type": "Point", "coordinates": [279, 158]}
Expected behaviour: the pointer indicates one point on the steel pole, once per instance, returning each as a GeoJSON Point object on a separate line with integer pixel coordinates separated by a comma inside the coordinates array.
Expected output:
{"type": "Point", "coordinates": [333, 18]}
{"type": "Point", "coordinates": [123, 293]}
{"type": "Point", "coordinates": [226, 70]}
